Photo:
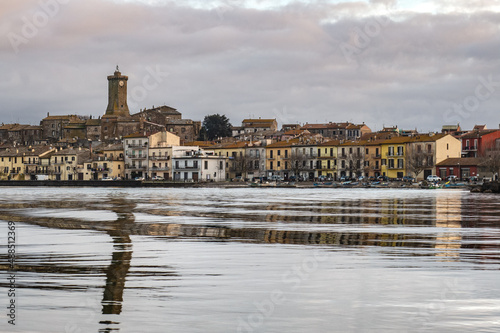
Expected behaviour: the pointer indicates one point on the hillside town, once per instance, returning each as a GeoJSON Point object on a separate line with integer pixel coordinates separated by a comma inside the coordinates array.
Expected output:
{"type": "Point", "coordinates": [159, 144]}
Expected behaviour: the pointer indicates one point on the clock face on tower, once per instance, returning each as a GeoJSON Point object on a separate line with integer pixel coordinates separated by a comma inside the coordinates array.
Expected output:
{"type": "Point", "coordinates": [120, 83]}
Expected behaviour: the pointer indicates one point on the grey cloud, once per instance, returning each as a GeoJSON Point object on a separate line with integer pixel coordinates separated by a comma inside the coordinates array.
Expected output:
{"type": "Point", "coordinates": [253, 62]}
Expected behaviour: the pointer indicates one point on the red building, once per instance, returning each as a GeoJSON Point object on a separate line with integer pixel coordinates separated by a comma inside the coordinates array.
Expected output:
{"type": "Point", "coordinates": [463, 168]}
{"type": "Point", "coordinates": [475, 143]}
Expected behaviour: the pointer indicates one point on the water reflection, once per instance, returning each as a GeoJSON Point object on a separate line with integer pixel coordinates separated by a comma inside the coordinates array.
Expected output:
{"type": "Point", "coordinates": [122, 255]}
{"type": "Point", "coordinates": [445, 227]}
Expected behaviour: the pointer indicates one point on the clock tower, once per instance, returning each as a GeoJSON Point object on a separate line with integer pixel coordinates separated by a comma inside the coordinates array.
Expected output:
{"type": "Point", "coordinates": [117, 95]}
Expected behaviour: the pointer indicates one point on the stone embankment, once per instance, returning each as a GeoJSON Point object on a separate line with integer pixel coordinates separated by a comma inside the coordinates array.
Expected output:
{"type": "Point", "coordinates": [487, 187]}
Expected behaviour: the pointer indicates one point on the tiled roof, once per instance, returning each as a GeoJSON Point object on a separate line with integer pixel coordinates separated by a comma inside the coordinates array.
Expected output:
{"type": "Point", "coordinates": [464, 161]}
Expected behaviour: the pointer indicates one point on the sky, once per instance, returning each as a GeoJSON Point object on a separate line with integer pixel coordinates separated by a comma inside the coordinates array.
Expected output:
{"type": "Point", "coordinates": [414, 64]}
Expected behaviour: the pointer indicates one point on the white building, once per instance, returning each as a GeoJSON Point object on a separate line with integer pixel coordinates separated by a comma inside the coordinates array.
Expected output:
{"type": "Point", "coordinates": [194, 164]}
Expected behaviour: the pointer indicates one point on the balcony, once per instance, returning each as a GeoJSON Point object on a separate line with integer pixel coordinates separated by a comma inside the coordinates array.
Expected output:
{"type": "Point", "coordinates": [470, 148]}
{"type": "Point", "coordinates": [177, 168]}
{"type": "Point", "coordinates": [138, 157]}
{"type": "Point", "coordinates": [159, 158]}
{"type": "Point", "coordinates": [376, 156]}
{"type": "Point", "coordinates": [160, 169]}
{"type": "Point", "coordinates": [136, 145]}
{"type": "Point", "coordinates": [136, 167]}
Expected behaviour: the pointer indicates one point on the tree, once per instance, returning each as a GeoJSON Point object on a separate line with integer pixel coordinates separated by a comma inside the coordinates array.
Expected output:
{"type": "Point", "coordinates": [215, 126]}
{"type": "Point", "coordinates": [416, 162]}
{"type": "Point", "coordinates": [298, 162]}
{"type": "Point", "coordinates": [490, 161]}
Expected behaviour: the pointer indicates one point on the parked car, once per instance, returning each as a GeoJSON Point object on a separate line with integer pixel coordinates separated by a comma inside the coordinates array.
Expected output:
{"type": "Point", "coordinates": [383, 178]}
{"type": "Point", "coordinates": [158, 178]}
{"type": "Point", "coordinates": [433, 178]}
{"type": "Point", "coordinates": [107, 178]}
{"type": "Point", "coordinates": [372, 178]}
{"type": "Point", "coordinates": [452, 178]}
{"type": "Point", "coordinates": [408, 179]}
{"type": "Point", "coordinates": [139, 178]}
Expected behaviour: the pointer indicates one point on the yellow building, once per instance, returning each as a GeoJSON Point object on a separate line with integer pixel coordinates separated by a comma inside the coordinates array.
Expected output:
{"type": "Point", "coordinates": [327, 156]}
{"type": "Point", "coordinates": [11, 164]}
{"type": "Point", "coordinates": [278, 156]}
{"type": "Point", "coordinates": [393, 159]}
{"type": "Point", "coordinates": [66, 164]}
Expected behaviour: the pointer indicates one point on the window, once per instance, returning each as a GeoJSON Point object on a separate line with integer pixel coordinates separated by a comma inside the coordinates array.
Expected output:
{"type": "Point", "coordinates": [391, 163]}
{"type": "Point", "coordinates": [366, 151]}
{"type": "Point", "coordinates": [271, 154]}
{"type": "Point", "coordinates": [383, 162]}
{"type": "Point", "coordinates": [391, 151]}
{"type": "Point", "coordinates": [271, 165]}
{"type": "Point", "coordinates": [286, 153]}
{"type": "Point", "coordinates": [400, 150]}
{"type": "Point", "coordinates": [279, 164]}
{"type": "Point", "coordinates": [206, 165]}
{"type": "Point", "coordinates": [221, 166]}
{"type": "Point", "coordinates": [400, 163]}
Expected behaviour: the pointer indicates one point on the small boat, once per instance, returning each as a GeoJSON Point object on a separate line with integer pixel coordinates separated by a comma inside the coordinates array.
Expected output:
{"type": "Point", "coordinates": [323, 184]}
{"type": "Point", "coordinates": [455, 185]}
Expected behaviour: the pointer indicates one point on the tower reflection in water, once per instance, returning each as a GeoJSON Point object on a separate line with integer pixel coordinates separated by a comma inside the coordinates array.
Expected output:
{"type": "Point", "coordinates": [122, 255]}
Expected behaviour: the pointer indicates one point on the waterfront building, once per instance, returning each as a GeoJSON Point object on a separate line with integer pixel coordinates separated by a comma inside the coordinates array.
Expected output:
{"type": "Point", "coordinates": [136, 149]}
{"type": "Point", "coordinates": [393, 151]}
{"type": "Point", "coordinates": [106, 161]}
{"type": "Point", "coordinates": [373, 158]}
{"type": "Point", "coordinates": [160, 154]}
{"type": "Point", "coordinates": [327, 157]}
{"type": "Point", "coordinates": [429, 150]}
{"type": "Point", "coordinates": [32, 161]}
{"type": "Point", "coordinates": [479, 141]}
{"type": "Point", "coordinates": [351, 159]}
{"type": "Point", "coordinates": [67, 164]}
{"type": "Point", "coordinates": [278, 156]}
{"type": "Point", "coordinates": [463, 168]}
{"type": "Point", "coordinates": [11, 164]}
{"type": "Point", "coordinates": [191, 164]}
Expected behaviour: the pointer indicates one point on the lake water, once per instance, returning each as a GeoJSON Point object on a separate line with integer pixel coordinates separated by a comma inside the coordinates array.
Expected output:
{"type": "Point", "coordinates": [251, 260]}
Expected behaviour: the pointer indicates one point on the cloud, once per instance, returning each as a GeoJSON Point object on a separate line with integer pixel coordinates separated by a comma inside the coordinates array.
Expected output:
{"type": "Point", "coordinates": [252, 60]}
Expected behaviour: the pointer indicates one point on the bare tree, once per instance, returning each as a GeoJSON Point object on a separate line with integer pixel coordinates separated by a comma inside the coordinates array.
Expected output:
{"type": "Point", "coordinates": [240, 164]}
{"type": "Point", "coordinates": [354, 164]}
{"type": "Point", "coordinates": [298, 162]}
{"type": "Point", "coordinates": [490, 161]}
{"type": "Point", "coordinates": [418, 160]}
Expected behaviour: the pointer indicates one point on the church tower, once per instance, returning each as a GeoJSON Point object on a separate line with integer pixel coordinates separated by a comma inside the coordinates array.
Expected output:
{"type": "Point", "coordinates": [117, 95]}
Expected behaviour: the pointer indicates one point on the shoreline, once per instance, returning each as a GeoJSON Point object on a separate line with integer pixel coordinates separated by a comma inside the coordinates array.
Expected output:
{"type": "Point", "coordinates": [163, 184]}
